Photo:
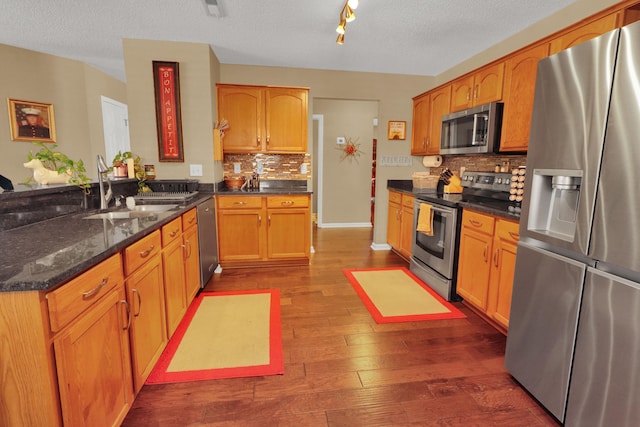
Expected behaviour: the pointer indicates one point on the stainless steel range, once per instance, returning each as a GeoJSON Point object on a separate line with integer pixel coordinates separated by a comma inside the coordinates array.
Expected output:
{"type": "Point", "coordinates": [435, 255]}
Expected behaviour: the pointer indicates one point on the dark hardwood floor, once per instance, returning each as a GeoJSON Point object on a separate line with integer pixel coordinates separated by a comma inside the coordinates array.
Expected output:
{"type": "Point", "coordinates": [343, 369]}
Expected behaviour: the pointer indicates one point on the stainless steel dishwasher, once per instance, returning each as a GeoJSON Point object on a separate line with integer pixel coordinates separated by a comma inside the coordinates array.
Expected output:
{"type": "Point", "coordinates": [208, 240]}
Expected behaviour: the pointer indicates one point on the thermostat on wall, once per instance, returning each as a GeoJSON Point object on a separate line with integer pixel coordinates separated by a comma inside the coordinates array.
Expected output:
{"type": "Point", "coordinates": [341, 140]}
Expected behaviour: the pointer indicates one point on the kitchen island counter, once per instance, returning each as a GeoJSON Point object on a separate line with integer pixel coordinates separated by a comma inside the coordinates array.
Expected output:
{"type": "Point", "coordinates": [44, 255]}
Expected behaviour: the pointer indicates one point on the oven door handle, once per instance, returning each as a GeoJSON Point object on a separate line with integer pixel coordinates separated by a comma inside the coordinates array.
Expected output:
{"type": "Point", "coordinates": [445, 211]}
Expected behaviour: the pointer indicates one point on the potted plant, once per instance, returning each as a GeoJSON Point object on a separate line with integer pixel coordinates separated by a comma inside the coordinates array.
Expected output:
{"type": "Point", "coordinates": [119, 164]}
{"type": "Point", "coordinates": [120, 168]}
{"type": "Point", "coordinates": [51, 166]}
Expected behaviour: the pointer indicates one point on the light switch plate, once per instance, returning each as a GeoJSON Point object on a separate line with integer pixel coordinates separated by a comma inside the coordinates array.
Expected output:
{"type": "Point", "coordinates": [195, 170]}
{"type": "Point", "coordinates": [341, 140]}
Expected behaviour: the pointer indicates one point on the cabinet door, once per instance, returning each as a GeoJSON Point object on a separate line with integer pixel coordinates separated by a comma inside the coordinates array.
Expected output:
{"type": "Point", "coordinates": [420, 129]}
{"type": "Point", "coordinates": [145, 293]}
{"type": "Point", "coordinates": [488, 84]}
{"type": "Point", "coordinates": [243, 108]}
{"type": "Point", "coordinates": [474, 266]}
{"type": "Point", "coordinates": [288, 234]}
{"type": "Point", "coordinates": [241, 234]}
{"type": "Point", "coordinates": [175, 292]}
{"type": "Point", "coordinates": [440, 105]}
{"type": "Point", "coordinates": [286, 117]}
{"type": "Point", "coordinates": [585, 32]}
{"type": "Point", "coordinates": [93, 363]}
{"type": "Point", "coordinates": [406, 230]}
{"type": "Point", "coordinates": [462, 93]}
{"type": "Point", "coordinates": [393, 219]}
{"type": "Point", "coordinates": [503, 267]}
{"type": "Point", "coordinates": [519, 88]}
{"type": "Point", "coordinates": [192, 263]}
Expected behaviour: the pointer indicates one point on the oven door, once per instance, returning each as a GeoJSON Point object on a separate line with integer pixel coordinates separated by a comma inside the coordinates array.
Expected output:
{"type": "Point", "coordinates": [437, 251]}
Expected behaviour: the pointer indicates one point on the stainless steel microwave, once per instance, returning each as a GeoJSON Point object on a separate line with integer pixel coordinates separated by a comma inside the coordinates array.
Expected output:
{"type": "Point", "coordinates": [472, 131]}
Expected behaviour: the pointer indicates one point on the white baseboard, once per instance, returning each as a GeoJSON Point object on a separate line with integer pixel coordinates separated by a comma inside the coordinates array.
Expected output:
{"type": "Point", "coordinates": [381, 246]}
{"type": "Point", "coordinates": [345, 225]}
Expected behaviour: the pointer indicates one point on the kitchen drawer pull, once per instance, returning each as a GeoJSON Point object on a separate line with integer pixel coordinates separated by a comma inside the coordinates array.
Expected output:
{"type": "Point", "coordinates": [194, 218]}
{"type": "Point", "coordinates": [174, 232]}
{"type": "Point", "coordinates": [137, 294]}
{"type": "Point", "coordinates": [146, 253]}
{"type": "Point", "coordinates": [258, 140]}
{"type": "Point", "coordinates": [240, 203]}
{"type": "Point", "coordinates": [126, 306]}
{"type": "Point", "coordinates": [484, 255]}
{"type": "Point", "coordinates": [268, 139]}
{"type": "Point", "coordinates": [287, 203]}
{"type": "Point", "coordinates": [92, 292]}
{"type": "Point", "coordinates": [495, 258]}
{"type": "Point", "coordinates": [475, 223]}
{"type": "Point", "coordinates": [187, 249]}
{"type": "Point", "coordinates": [259, 220]}
{"type": "Point", "coordinates": [269, 220]}
{"type": "Point", "coordinates": [514, 236]}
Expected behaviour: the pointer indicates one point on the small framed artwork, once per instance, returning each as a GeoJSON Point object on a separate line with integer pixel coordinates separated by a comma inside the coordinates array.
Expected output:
{"type": "Point", "coordinates": [31, 121]}
{"type": "Point", "coordinates": [396, 129]}
{"type": "Point", "coordinates": [166, 81]}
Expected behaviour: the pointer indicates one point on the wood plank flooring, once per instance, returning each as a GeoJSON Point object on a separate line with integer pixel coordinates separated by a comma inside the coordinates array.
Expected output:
{"type": "Point", "coordinates": [343, 369]}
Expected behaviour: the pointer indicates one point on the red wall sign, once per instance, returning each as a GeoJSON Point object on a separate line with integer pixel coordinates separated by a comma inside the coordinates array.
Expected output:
{"type": "Point", "coordinates": [169, 122]}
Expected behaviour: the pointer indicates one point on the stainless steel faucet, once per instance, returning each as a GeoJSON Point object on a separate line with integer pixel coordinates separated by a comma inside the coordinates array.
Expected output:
{"type": "Point", "coordinates": [103, 169]}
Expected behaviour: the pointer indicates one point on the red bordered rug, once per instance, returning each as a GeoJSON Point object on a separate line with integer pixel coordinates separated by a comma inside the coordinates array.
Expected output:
{"type": "Point", "coordinates": [394, 294]}
{"type": "Point", "coordinates": [224, 335]}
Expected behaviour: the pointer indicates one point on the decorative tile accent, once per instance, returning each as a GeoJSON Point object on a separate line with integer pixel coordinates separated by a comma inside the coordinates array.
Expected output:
{"type": "Point", "coordinates": [275, 166]}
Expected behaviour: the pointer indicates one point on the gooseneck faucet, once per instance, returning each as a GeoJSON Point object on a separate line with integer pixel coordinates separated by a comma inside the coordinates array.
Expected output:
{"type": "Point", "coordinates": [103, 169]}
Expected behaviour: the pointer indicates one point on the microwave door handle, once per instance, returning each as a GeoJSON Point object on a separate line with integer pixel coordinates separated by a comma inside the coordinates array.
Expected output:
{"type": "Point", "coordinates": [475, 130]}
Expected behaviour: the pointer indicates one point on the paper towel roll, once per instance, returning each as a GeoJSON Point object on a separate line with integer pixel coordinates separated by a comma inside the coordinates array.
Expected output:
{"type": "Point", "coordinates": [432, 161]}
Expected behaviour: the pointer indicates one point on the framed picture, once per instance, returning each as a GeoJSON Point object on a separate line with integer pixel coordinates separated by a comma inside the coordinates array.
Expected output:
{"type": "Point", "coordinates": [396, 129]}
{"type": "Point", "coordinates": [166, 82]}
{"type": "Point", "coordinates": [31, 121]}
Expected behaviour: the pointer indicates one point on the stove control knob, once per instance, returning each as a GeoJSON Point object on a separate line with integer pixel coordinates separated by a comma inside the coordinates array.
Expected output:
{"type": "Point", "coordinates": [499, 181]}
{"type": "Point", "coordinates": [507, 181]}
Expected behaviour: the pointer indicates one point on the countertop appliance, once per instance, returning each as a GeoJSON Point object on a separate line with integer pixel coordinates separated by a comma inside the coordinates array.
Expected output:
{"type": "Point", "coordinates": [472, 131]}
{"type": "Point", "coordinates": [207, 240]}
{"type": "Point", "coordinates": [574, 338]}
{"type": "Point", "coordinates": [435, 257]}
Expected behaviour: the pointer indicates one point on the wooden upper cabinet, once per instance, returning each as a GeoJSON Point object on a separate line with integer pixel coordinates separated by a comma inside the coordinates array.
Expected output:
{"type": "Point", "coordinates": [440, 105]}
{"type": "Point", "coordinates": [420, 128]}
{"type": "Point", "coordinates": [264, 119]}
{"type": "Point", "coordinates": [519, 88]}
{"type": "Point", "coordinates": [586, 32]}
{"type": "Point", "coordinates": [286, 120]}
{"type": "Point", "coordinates": [484, 86]}
{"type": "Point", "coordinates": [242, 107]}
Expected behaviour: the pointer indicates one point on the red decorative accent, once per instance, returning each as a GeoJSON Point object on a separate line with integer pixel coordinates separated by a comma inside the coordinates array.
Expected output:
{"type": "Point", "coordinates": [169, 122]}
{"type": "Point", "coordinates": [453, 313]}
{"type": "Point", "coordinates": [159, 374]}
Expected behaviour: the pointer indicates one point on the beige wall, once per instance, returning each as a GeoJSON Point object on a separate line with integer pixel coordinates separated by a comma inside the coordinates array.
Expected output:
{"type": "Point", "coordinates": [72, 87]}
{"type": "Point", "coordinates": [346, 181]}
{"type": "Point", "coordinates": [198, 68]}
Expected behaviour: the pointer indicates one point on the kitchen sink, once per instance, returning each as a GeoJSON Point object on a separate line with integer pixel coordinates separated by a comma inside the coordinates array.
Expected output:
{"type": "Point", "coordinates": [152, 208]}
{"type": "Point", "coordinates": [139, 211]}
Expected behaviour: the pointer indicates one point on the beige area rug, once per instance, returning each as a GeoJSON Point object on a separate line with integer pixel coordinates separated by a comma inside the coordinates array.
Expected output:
{"type": "Point", "coordinates": [397, 295]}
{"type": "Point", "coordinates": [224, 335]}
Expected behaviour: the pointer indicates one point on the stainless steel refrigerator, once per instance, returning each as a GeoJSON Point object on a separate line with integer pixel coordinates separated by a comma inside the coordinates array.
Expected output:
{"type": "Point", "coordinates": [574, 330]}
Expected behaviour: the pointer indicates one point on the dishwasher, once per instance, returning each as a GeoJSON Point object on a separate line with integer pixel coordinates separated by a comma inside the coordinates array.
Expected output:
{"type": "Point", "coordinates": [207, 240]}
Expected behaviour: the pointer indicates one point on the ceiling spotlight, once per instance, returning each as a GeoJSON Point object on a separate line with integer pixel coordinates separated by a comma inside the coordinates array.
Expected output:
{"type": "Point", "coordinates": [346, 15]}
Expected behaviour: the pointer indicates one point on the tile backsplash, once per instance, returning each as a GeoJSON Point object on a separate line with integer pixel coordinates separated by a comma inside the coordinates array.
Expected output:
{"type": "Point", "coordinates": [274, 166]}
{"type": "Point", "coordinates": [479, 163]}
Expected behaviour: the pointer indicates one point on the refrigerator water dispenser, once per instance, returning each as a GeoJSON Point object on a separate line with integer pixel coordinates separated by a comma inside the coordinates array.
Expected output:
{"type": "Point", "coordinates": [554, 202]}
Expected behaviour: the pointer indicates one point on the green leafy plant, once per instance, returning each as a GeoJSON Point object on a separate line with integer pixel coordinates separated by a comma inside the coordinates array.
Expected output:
{"type": "Point", "coordinates": [120, 159]}
{"type": "Point", "coordinates": [60, 162]}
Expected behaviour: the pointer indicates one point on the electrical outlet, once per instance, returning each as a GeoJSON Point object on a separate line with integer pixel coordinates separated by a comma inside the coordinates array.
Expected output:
{"type": "Point", "coordinates": [341, 140]}
{"type": "Point", "coordinates": [195, 170]}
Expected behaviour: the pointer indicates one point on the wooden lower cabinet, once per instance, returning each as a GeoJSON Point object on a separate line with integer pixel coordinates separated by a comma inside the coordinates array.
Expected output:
{"type": "Point", "coordinates": [486, 264]}
{"type": "Point", "coordinates": [93, 364]}
{"type": "Point", "coordinates": [264, 230]}
{"type": "Point", "coordinates": [190, 245]}
{"type": "Point", "coordinates": [400, 223]}
{"type": "Point", "coordinates": [173, 266]}
{"type": "Point", "coordinates": [145, 293]}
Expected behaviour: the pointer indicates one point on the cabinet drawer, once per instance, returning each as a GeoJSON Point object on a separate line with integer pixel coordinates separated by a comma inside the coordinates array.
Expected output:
{"type": "Point", "coordinates": [288, 201]}
{"type": "Point", "coordinates": [137, 253]}
{"type": "Point", "coordinates": [171, 231]}
{"type": "Point", "coordinates": [239, 202]}
{"type": "Point", "coordinates": [477, 221]}
{"type": "Point", "coordinates": [407, 201]}
{"type": "Point", "coordinates": [395, 197]}
{"type": "Point", "coordinates": [189, 219]}
{"type": "Point", "coordinates": [74, 297]}
{"type": "Point", "coordinates": [508, 230]}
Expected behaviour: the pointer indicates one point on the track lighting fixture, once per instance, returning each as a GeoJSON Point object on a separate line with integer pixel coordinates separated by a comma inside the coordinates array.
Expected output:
{"type": "Point", "coordinates": [346, 15]}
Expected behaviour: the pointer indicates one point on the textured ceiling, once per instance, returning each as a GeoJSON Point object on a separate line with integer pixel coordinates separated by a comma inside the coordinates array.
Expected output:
{"type": "Point", "coordinates": [421, 37]}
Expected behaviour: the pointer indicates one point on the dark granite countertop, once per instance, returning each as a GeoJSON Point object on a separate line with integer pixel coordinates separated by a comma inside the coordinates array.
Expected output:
{"type": "Point", "coordinates": [281, 186]}
{"type": "Point", "coordinates": [493, 207]}
{"type": "Point", "coordinates": [44, 255]}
